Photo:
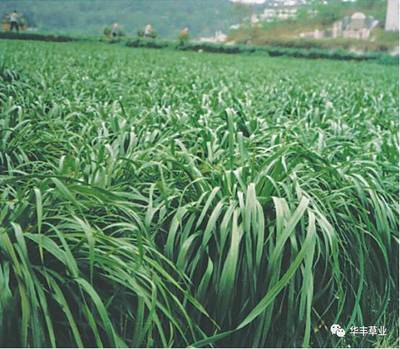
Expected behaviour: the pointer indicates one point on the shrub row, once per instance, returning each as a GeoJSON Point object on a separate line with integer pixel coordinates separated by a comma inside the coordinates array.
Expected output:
{"type": "Point", "coordinates": [273, 51]}
{"type": "Point", "coordinates": [39, 37]}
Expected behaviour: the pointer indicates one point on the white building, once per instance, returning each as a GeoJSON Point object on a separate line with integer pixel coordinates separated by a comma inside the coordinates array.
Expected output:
{"type": "Point", "coordinates": [281, 10]}
{"type": "Point", "coordinates": [358, 26]}
{"type": "Point", "coordinates": [272, 14]}
{"type": "Point", "coordinates": [392, 15]}
{"type": "Point", "coordinates": [217, 38]}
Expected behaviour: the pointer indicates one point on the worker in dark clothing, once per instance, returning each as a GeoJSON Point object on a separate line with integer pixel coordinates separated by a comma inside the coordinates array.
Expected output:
{"type": "Point", "coordinates": [14, 21]}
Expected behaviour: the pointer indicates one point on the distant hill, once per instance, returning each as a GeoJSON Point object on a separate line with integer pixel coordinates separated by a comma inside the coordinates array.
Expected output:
{"type": "Point", "coordinates": [319, 15]}
{"type": "Point", "coordinates": [203, 17]}
{"type": "Point", "coordinates": [89, 17]}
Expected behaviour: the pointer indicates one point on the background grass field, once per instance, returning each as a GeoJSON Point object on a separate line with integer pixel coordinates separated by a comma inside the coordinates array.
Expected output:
{"type": "Point", "coordinates": [162, 198]}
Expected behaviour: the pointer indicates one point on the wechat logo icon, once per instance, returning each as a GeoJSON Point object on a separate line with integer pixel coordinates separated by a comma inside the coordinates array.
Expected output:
{"type": "Point", "coordinates": [337, 330]}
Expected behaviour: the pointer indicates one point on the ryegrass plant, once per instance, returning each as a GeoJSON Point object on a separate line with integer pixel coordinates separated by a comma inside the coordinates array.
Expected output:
{"type": "Point", "coordinates": [156, 198]}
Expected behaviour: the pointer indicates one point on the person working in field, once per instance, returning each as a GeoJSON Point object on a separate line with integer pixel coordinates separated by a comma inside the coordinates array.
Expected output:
{"type": "Point", "coordinates": [148, 31]}
{"type": "Point", "coordinates": [184, 35]}
{"type": "Point", "coordinates": [14, 21]}
{"type": "Point", "coordinates": [114, 30]}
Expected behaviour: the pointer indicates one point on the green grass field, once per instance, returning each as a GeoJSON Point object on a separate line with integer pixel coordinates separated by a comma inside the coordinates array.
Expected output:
{"type": "Point", "coordinates": [161, 198]}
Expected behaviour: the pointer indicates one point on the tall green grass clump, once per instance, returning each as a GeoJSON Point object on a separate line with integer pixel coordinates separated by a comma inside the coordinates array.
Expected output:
{"type": "Point", "coordinates": [161, 198]}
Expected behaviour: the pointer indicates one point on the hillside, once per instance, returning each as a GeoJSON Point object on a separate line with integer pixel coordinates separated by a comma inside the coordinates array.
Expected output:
{"type": "Point", "coordinates": [204, 18]}
{"type": "Point", "coordinates": [90, 17]}
{"type": "Point", "coordinates": [319, 16]}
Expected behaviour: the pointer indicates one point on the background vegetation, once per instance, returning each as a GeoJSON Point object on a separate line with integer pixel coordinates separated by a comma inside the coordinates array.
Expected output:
{"type": "Point", "coordinates": [310, 49]}
{"type": "Point", "coordinates": [90, 17]}
{"type": "Point", "coordinates": [286, 33]}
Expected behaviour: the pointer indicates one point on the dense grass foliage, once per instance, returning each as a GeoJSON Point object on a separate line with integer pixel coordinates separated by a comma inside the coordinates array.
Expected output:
{"type": "Point", "coordinates": [160, 198]}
